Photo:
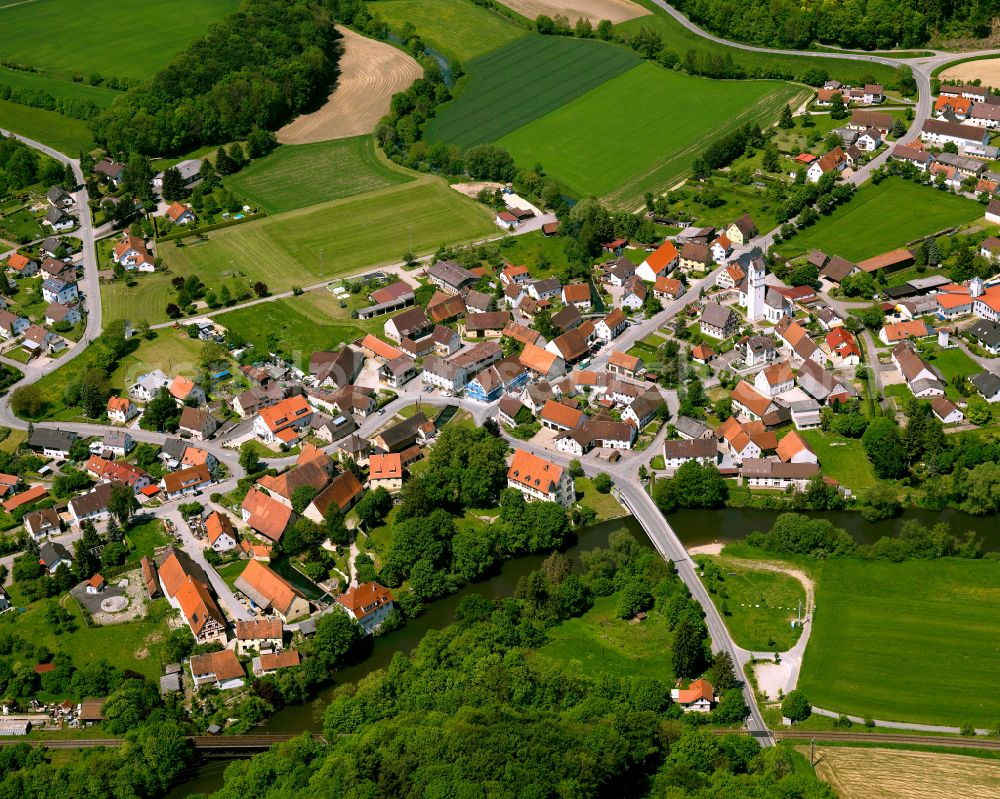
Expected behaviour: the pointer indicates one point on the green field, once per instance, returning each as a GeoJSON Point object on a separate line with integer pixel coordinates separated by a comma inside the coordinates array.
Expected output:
{"type": "Point", "coordinates": [65, 134]}
{"type": "Point", "coordinates": [604, 505]}
{"type": "Point", "coordinates": [679, 39]}
{"type": "Point", "coordinates": [523, 82]}
{"type": "Point", "coordinates": [295, 176]}
{"type": "Point", "coordinates": [841, 458]}
{"type": "Point", "coordinates": [594, 146]}
{"type": "Point", "coordinates": [760, 604]}
{"type": "Point", "coordinates": [32, 81]}
{"type": "Point", "coordinates": [914, 641]}
{"type": "Point", "coordinates": [300, 325]}
{"type": "Point", "coordinates": [954, 364]}
{"type": "Point", "coordinates": [601, 643]}
{"type": "Point", "coordinates": [124, 38]}
{"type": "Point", "coordinates": [881, 218]}
{"type": "Point", "coordinates": [310, 245]}
{"type": "Point", "coordinates": [457, 28]}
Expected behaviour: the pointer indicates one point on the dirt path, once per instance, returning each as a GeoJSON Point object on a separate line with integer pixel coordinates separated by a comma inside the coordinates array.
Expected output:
{"type": "Point", "coordinates": [594, 10]}
{"type": "Point", "coordinates": [371, 73]}
{"type": "Point", "coordinates": [801, 576]}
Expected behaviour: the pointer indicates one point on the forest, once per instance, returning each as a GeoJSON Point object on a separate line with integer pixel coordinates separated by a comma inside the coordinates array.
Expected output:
{"type": "Point", "coordinates": [255, 69]}
{"type": "Point", "coordinates": [473, 712]}
{"type": "Point", "coordinates": [869, 24]}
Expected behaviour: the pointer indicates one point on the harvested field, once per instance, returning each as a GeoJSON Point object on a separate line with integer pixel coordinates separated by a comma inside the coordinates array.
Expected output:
{"type": "Point", "coordinates": [987, 70]}
{"type": "Point", "coordinates": [371, 73]}
{"type": "Point", "coordinates": [898, 774]}
{"type": "Point", "coordinates": [594, 10]}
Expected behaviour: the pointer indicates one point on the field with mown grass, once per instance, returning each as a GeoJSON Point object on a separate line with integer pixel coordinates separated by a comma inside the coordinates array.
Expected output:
{"type": "Point", "coordinates": [123, 38]}
{"type": "Point", "coordinates": [301, 325]}
{"type": "Point", "coordinates": [881, 218]}
{"type": "Point", "coordinates": [100, 96]}
{"type": "Point", "coordinates": [310, 245]}
{"type": "Point", "coordinates": [458, 30]}
{"type": "Point", "coordinates": [641, 131]}
{"type": "Point", "coordinates": [913, 641]}
{"type": "Point", "coordinates": [523, 82]}
{"type": "Point", "coordinates": [759, 605]}
{"type": "Point", "coordinates": [843, 459]}
{"type": "Point", "coordinates": [604, 644]}
{"type": "Point", "coordinates": [296, 176]}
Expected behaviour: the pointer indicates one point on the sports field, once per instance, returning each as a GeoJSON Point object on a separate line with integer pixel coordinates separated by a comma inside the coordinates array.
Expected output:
{"type": "Point", "coordinates": [523, 82]}
{"type": "Point", "coordinates": [310, 245]}
{"type": "Point", "coordinates": [881, 218]}
{"type": "Point", "coordinates": [124, 38]}
{"type": "Point", "coordinates": [871, 654]}
{"type": "Point", "coordinates": [600, 144]}
{"type": "Point", "coordinates": [458, 28]}
{"type": "Point", "coordinates": [295, 176]}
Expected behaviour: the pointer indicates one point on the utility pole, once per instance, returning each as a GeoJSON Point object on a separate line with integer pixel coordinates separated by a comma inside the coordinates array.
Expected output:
{"type": "Point", "coordinates": [812, 752]}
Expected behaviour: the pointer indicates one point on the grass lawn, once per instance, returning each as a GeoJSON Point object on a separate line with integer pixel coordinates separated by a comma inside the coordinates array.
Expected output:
{"type": "Point", "coordinates": [601, 643]}
{"type": "Point", "coordinates": [13, 441]}
{"type": "Point", "coordinates": [681, 40]}
{"type": "Point", "coordinates": [62, 133]}
{"type": "Point", "coordinates": [544, 255]}
{"type": "Point", "coordinates": [736, 200]}
{"type": "Point", "coordinates": [604, 505]}
{"type": "Point", "coordinates": [300, 325]}
{"type": "Point", "coordinates": [53, 35]}
{"type": "Point", "coordinates": [841, 458]}
{"type": "Point", "coordinates": [20, 226]}
{"type": "Point", "coordinates": [905, 211]}
{"type": "Point", "coordinates": [954, 364]}
{"type": "Point", "coordinates": [913, 641]}
{"type": "Point", "coordinates": [230, 571]}
{"type": "Point", "coordinates": [620, 156]}
{"type": "Point", "coordinates": [302, 247]}
{"type": "Point", "coordinates": [294, 176]}
{"type": "Point", "coordinates": [761, 604]}
{"type": "Point", "coordinates": [496, 100]}
{"type": "Point", "coordinates": [134, 645]}
{"type": "Point", "coordinates": [146, 537]}
{"type": "Point", "coordinates": [459, 30]}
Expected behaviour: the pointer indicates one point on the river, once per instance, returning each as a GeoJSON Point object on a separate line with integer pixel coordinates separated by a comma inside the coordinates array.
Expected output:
{"type": "Point", "coordinates": [694, 528]}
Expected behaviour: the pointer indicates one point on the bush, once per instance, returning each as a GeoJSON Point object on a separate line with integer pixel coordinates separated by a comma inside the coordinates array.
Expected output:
{"type": "Point", "coordinates": [602, 483]}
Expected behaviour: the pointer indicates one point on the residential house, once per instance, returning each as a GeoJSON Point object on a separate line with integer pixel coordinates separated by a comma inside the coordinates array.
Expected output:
{"type": "Point", "coordinates": [611, 326]}
{"type": "Point", "coordinates": [721, 249]}
{"type": "Point", "coordinates": [566, 319]}
{"type": "Point", "coordinates": [658, 263]}
{"type": "Point", "coordinates": [546, 289]}
{"type": "Point", "coordinates": [386, 471]}
{"type": "Point", "coordinates": [987, 383]}
{"type": "Point", "coordinates": [22, 265]}
{"type": "Point", "coordinates": [689, 428]}
{"type": "Point", "coordinates": [844, 349]}
{"type": "Point", "coordinates": [282, 487]}
{"type": "Point", "coordinates": [916, 156]}
{"type": "Point", "coordinates": [259, 635]}
{"type": "Point", "coordinates": [52, 555]}
{"type": "Point", "coordinates": [220, 532]}
{"type": "Point", "coordinates": [757, 473]}
{"type": "Point", "coordinates": [634, 294]}
{"type": "Point", "coordinates": [756, 350]}
{"type": "Point", "coordinates": [281, 422]}
{"type": "Point", "coordinates": [946, 411]}
{"type": "Point", "coordinates": [748, 402]}
{"type": "Point", "coordinates": [180, 214]}
{"type": "Point", "coordinates": [221, 670]}
{"type": "Point", "coordinates": [719, 321]}
{"type": "Point", "coordinates": [92, 506]}
{"type": "Point", "coordinates": [557, 416]}
{"type": "Point", "coordinates": [794, 449]}
{"type": "Point", "coordinates": [522, 334]}
{"type": "Point", "coordinates": [821, 385]}
{"type": "Point", "coordinates": [110, 171]}
{"type": "Point", "coordinates": [58, 219]}
{"type": "Point", "coordinates": [58, 197]}
{"type": "Point", "coordinates": [730, 277]}
{"type": "Point", "coordinates": [269, 663]}
{"type": "Point", "coordinates": [667, 288]}
{"type": "Point", "coordinates": [571, 346]}
{"type": "Point", "coordinates": [578, 295]}
{"type": "Point", "coordinates": [878, 121]}
{"type": "Point", "coordinates": [795, 341]}
{"type": "Point", "coordinates": [679, 451]}
{"type": "Point", "coordinates": [398, 372]}
{"type": "Point", "coordinates": [903, 331]}
{"type": "Point", "coordinates": [248, 403]}
{"type": "Point", "coordinates": [643, 408]}
{"type": "Point", "coordinates": [490, 324]}
{"type": "Point", "coordinates": [742, 230]}
{"type": "Point", "coordinates": [185, 391]}
{"type": "Point", "coordinates": [511, 274]}
{"type": "Point", "coordinates": [58, 312]}
{"type": "Point", "coordinates": [133, 253]}
{"type": "Point", "coordinates": [505, 376]}
{"type": "Point", "coordinates": [148, 385]}
{"type": "Point", "coordinates": [11, 325]}
{"type": "Point", "coordinates": [185, 482]}
{"type": "Point", "coordinates": [337, 368]}
{"type": "Point", "coordinates": [775, 379]}
{"type": "Point", "coordinates": [512, 412]}
{"type": "Point", "coordinates": [401, 435]}
{"type": "Point", "coordinates": [542, 362]}
{"type": "Point", "coordinates": [698, 697]}
{"type": "Point", "coordinates": [118, 442]}
{"type": "Point", "coordinates": [619, 271]}
{"type": "Point", "coordinates": [745, 440]}
{"type": "Point", "coordinates": [343, 494]}
{"type": "Point", "coordinates": [270, 592]}
{"type": "Point", "coordinates": [833, 161]}
{"type": "Point", "coordinates": [369, 604]}
{"type": "Point", "coordinates": [38, 340]}
{"type": "Point", "coordinates": [696, 257]}
{"type": "Point", "coordinates": [986, 335]}
{"type": "Point", "coordinates": [625, 365]}
{"type": "Point", "coordinates": [40, 524]}
{"type": "Point", "coordinates": [52, 442]}
{"type": "Point", "coordinates": [441, 373]}
{"type": "Point", "coordinates": [266, 515]}
{"type": "Point", "coordinates": [923, 379]}
{"type": "Point", "coordinates": [540, 479]}
{"type": "Point", "coordinates": [198, 423]}
{"type": "Point", "coordinates": [970, 139]}
{"type": "Point", "coordinates": [186, 587]}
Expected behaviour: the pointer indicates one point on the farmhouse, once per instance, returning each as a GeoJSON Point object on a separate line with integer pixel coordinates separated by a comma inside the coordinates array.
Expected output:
{"type": "Point", "coordinates": [343, 493]}
{"type": "Point", "coordinates": [220, 532]}
{"type": "Point", "coordinates": [221, 670]}
{"type": "Point", "coordinates": [742, 230]}
{"type": "Point", "coordinates": [862, 120]}
{"type": "Point", "coordinates": [566, 319]}
{"type": "Point", "coordinates": [667, 288]}
{"type": "Point", "coordinates": [695, 257]}
{"type": "Point", "coordinates": [678, 452]}
{"type": "Point", "coordinates": [411, 323]}
{"type": "Point", "coordinates": [968, 138]}
{"type": "Point", "coordinates": [758, 473]}
{"type": "Point", "coordinates": [369, 604]}
{"type": "Point", "coordinates": [611, 326]}
{"type": "Point", "coordinates": [281, 422]}
{"type": "Point", "coordinates": [269, 591]}
{"type": "Point", "coordinates": [718, 321]}
{"type": "Point", "coordinates": [577, 294]}
{"type": "Point", "coordinates": [748, 402]}
{"type": "Point", "coordinates": [946, 411]}
{"type": "Point", "coordinates": [385, 471]}
{"type": "Point", "coordinates": [185, 585]}
{"type": "Point", "coordinates": [450, 276]}
{"type": "Point", "coordinates": [658, 263]}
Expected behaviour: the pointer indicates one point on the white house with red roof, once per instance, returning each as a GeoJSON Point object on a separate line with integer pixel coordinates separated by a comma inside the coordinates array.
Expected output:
{"type": "Point", "coordinates": [698, 697]}
{"type": "Point", "coordinates": [369, 604]}
{"type": "Point", "coordinates": [280, 423]}
{"type": "Point", "coordinates": [658, 263]}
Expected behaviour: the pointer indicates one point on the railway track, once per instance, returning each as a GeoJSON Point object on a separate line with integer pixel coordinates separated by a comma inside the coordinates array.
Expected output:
{"type": "Point", "coordinates": [954, 742]}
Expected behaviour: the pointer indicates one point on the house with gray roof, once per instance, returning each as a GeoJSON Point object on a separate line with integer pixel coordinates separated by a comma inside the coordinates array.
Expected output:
{"type": "Point", "coordinates": [718, 321]}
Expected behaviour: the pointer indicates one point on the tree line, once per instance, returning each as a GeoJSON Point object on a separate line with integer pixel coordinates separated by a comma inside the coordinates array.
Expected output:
{"type": "Point", "coordinates": [255, 69]}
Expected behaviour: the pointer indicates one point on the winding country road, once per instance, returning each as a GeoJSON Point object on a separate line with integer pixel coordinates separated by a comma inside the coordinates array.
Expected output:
{"type": "Point", "coordinates": [630, 491]}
